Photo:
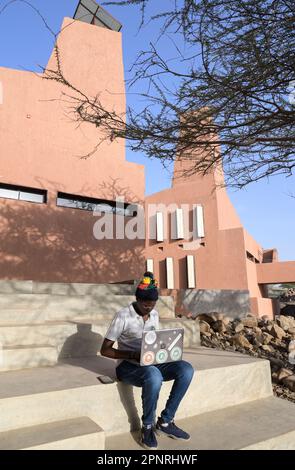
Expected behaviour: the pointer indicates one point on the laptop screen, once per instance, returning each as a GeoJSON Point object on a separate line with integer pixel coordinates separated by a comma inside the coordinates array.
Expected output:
{"type": "Point", "coordinates": [160, 346]}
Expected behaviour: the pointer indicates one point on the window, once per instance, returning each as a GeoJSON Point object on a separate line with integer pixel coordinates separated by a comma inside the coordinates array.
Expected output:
{"type": "Point", "coordinates": [190, 266]}
{"type": "Point", "coordinates": [160, 226]}
{"type": "Point", "coordinates": [251, 257]}
{"type": "Point", "coordinates": [95, 205]}
{"type": "Point", "coordinates": [9, 191]}
{"type": "Point", "coordinates": [150, 265]}
{"type": "Point", "coordinates": [90, 12]}
{"type": "Point", "coordinates": [179, 224]}
{"type": "Point", "coordinates": [199, 218]}
{"type": "Point", "coordinates": [169, 273]}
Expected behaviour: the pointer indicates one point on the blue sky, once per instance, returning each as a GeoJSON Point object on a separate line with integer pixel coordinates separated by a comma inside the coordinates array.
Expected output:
{"type": "Point", "coordinates": [265, 208]}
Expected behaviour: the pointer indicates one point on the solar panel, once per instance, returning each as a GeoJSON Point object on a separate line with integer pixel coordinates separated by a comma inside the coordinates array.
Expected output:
{"type": "Point", "coordinates": [90, 12]}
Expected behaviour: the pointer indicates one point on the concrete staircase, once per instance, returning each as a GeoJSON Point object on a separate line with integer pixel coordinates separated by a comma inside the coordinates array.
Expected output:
{"type": "Point", "coordinates": [41, 323]}
{"type": "Point", "coordinates": [71, 434]}
{"type": "Point", "coordinates": [229, 404]}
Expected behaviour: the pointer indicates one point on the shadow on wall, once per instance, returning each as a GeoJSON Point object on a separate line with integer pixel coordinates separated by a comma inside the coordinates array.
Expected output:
{"type": "Point", "coordinates": [53, 244]}
{"type": "Point", "coordinates": [126, 393]}
{"type": "Point", "coordinates": [233, 303]}
{"type": "Point", "coordinates": [84, 343]}
{"type": "Point", "coordinates": [81, 349]}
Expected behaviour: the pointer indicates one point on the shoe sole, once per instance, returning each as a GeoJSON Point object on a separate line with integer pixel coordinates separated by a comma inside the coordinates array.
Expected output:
{"type": "Point", "coordinates": [147, 447]}
{"type": "Point", "coordinates": [160, 432]}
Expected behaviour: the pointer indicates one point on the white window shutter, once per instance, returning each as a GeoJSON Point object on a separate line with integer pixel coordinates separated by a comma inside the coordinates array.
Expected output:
{"type": "Point", "coordinates": [150, 265]}
{"type": "Point", "coordinates": [199, 214]}
{"type": "Point", "coordinates": [179, 224]}
{"type": "Point", "coordinates": [191, 278]}
{"type": "Point", "coordinates": [160, 226]}
{"type": "Point", "coordinates": [169, 273]}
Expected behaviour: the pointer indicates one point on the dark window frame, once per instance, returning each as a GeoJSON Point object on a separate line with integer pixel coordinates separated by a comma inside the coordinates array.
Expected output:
{"type": "Point", "coordinates": [95, 16]}
{"type": "Point", "coordinates": [24, 189]}
{"type": "Point", "coordinates": [96, 202]}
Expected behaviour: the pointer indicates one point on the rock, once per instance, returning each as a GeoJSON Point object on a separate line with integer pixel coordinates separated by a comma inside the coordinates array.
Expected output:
{"type": "Point", "coordinates": [258, 335]}
{"type": "Point", "coordinates": [285, 322]}
{"type": "Point", "coordinates": [275, 342]}
{"type": "Point", "coordinates": [226, 320]}
{"type": "Point", "coordinates": [276, 363]}
{"type": "Point", "coordinates": [206, 333]}
{"type": "Point", "coordinates": [206, 317]}
{"type": "Point", "coordinates": [277, 331]}
{"type": "Point", "coordinates": [219, 316]}
{"type": "Point", "coordinates": [288, 310]}
{"type": "Point", "coordinates": [266, 338]}
{"type": "Point", "coordinates": [218, 326]}
{"type": "Point", "coordinates": [241, 341]}
{"type": "Point", "coordinates": [250, 322]}
{"type": "Point", "coordinates": [268, 327]}
{"type": "Point", "coordinates": [239, 327]}
{"type": "Point", "coordinates": [204, 327]}
{"type": "Point", "coordinates": [291, 331]}
{"type": "Point", "coordinates": [267, 347]}
{"type": "Point", "coordinates": [290, 382]}
{"type": "Point", "coordinates": [275, 377]}
{"type": "Point", "coordinates": [283, 373]}
{"type": "Point", "coordinates": [257, 330]}
{"type": "Point", "coordinates": [256, 343]}
{"type": "Point", "coordinates": [265, 318]}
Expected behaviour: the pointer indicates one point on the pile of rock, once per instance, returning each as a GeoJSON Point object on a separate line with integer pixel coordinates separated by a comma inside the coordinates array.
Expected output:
{"type": "Point", "coordinates": [258, 337]}
{"type": "Point", "coordinates": [288, 295]}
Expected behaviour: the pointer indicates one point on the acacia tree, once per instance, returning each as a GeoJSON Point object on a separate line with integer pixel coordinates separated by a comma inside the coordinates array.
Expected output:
{"type": "Point", "coordinates": [239, 71]}
{"type": "Point", "coordinates": [233, 88]}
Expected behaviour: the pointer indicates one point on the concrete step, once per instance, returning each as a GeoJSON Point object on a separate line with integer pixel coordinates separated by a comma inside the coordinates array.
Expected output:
{"type": "Point", "coordinates": [192, 337]}
{"type": "Point", "coordinates": [37, 308]}
{"type": "Point", "coordinates": [267, 424]}
{"type": "Point", "coordinates": [75, 288]}
{"type": "Point", "coordinates": [25, 357]}
{"type": "Point", "coordinates": [71, 389]}
{"type": "Point", "coordinates": [16, 287]}
{"type": "Point", "coordinates": [62, 288]}
{"type": "Point", "coordinates": [72, 434]}
{"type": "Point", "coordinates": [82, 337]}
{"type": "Point", "coordinates": [51, 333]}
{"type": "Point", "coordinates": [46, 301]}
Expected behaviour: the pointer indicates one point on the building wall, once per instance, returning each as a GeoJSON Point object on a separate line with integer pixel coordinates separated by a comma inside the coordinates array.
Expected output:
{"type": "Point", "coordinates": [276, 272]}
{"type": "Point", "coordinates": [232, 303]}
{"type": "Point", "coordinates": [220, 261]}
{"type": "Point", "coordinates": [229, 272]}
{"type": "Point", "coordinates": [41, 146]}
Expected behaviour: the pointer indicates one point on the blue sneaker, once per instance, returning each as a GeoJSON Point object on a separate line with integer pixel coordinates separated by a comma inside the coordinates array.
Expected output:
{"type": "Point", "coordinates": [171, 430]}
{"type": "Point", "coordinates": [148, 437]}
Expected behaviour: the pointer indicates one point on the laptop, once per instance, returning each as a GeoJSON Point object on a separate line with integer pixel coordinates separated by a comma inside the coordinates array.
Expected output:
{"type": "Point", "coordinates": [160, 346]}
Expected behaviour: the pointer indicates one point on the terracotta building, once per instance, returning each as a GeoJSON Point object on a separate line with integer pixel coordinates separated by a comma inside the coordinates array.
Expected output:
{"type": "Point", "coordinates": [51, 198]}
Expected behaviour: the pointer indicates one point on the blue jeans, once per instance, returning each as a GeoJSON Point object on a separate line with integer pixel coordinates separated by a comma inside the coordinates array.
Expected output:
{"type": "Point", "coordinates": [150, 378]}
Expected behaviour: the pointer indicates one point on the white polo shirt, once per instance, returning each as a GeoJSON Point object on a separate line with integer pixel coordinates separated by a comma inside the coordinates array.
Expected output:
{"type": "Point", "coordinates": [127, 328]}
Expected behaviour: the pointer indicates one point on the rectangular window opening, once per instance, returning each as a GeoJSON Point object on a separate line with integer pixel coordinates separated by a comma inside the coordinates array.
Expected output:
{"type": "Point", "coordinates": [22, 193]}
{"type": "Point", "coordinates": [252, 257]}
{"type": "Point", "coordinates": [95, 205]}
